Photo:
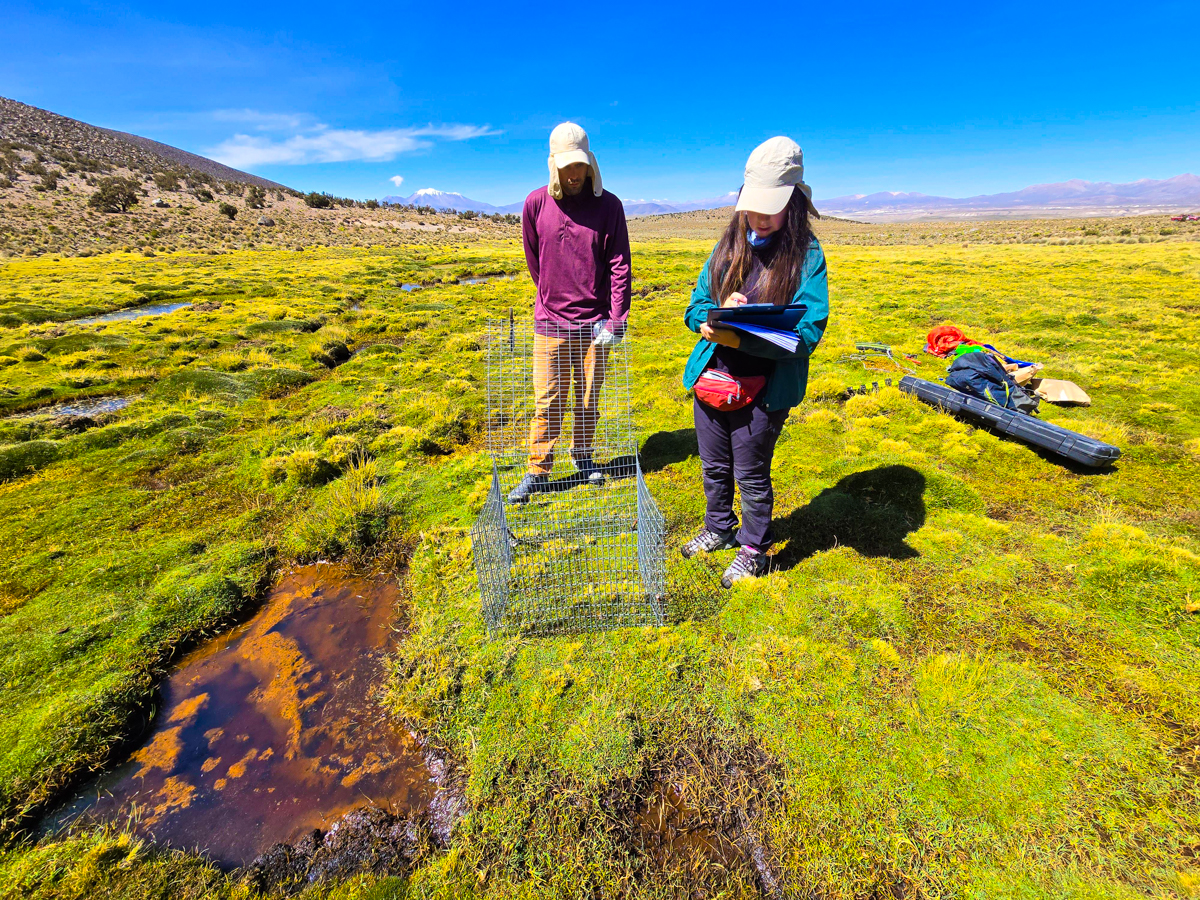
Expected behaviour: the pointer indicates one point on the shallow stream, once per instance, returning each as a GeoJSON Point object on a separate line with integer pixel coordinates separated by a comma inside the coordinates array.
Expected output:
{"type": "Point", "coordinates": [133, 312]}
{"type": "Point", "coordinates": [93, 406]}
{"type": "Point", "coordinates": [272, 729]}
{"type": "Point", "coordinates": [470, 280]}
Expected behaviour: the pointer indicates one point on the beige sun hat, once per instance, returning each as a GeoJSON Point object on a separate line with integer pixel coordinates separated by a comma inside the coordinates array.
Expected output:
{"type": "Point", "coordinates": [569, 144]}
{"type": "Point", "coordinates": [773, 171]}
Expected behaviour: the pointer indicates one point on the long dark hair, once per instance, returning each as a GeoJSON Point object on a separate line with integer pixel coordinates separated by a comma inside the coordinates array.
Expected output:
{"type": "Point", "coordinates": [731, 260]}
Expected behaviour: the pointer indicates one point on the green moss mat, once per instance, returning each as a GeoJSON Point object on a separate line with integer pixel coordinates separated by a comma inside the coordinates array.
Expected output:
{"type": "Point", "coordinates": [973, 674]}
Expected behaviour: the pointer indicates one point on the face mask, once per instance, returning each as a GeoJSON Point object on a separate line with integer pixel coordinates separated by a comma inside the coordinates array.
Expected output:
{"type": "Point", "coordinates": [756, 241]}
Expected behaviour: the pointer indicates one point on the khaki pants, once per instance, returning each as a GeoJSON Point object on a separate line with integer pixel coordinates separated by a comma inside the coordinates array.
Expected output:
{"type": "Point", "coordinates": [559, 363]}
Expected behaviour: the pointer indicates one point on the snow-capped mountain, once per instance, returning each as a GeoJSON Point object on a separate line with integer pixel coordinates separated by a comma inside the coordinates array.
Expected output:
{"type": "Point", "coordinates": [450, 200]}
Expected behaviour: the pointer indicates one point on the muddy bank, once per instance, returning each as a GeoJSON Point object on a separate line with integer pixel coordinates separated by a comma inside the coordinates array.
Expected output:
{"type": "Point", "coordinates": [272, 730]}
{"type": "Point", "coordinates": [694, 813]}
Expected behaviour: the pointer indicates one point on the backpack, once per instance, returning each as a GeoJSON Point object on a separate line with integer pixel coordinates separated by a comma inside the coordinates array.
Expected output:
{"type": "Point", "coordinates": [981, 375]}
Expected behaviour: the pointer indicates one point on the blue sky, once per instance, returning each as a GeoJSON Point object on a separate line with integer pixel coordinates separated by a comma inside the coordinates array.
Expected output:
{"type": "Point", "coordinates": [937, 98]}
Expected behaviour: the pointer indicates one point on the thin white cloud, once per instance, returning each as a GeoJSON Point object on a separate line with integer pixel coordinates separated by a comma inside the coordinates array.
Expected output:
{"type": "Point", "coordinates": [264, 121]}
{"type": "Point", "coordinates": [321, 144]}
{"type": "Point", "coordinates": [397, 180]}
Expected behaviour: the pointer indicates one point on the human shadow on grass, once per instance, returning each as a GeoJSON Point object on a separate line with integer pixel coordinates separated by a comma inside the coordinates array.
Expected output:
{"type": "Point", "coordinates": [871, 511]}
{"type": "Point", "coordinates": [664, 448]}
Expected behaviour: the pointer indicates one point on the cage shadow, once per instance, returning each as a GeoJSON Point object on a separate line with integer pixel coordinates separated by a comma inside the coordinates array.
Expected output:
{"type": "Point", "coordinates": [694, 589]}
{"type": "Point", "coordinates": [872, 511]}
{"type": "Point", "coordinates": [664, 448]}
{"type": "Point", "coordinates": [621, 467]}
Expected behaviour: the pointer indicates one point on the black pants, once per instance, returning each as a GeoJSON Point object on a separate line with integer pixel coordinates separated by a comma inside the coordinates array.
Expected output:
{"type": "Point", "coordinates": [738, 446]}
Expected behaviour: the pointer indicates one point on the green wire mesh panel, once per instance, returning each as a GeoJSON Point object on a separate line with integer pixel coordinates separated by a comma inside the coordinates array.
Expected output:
{"type": "Point", "coordinates": [577, 554]}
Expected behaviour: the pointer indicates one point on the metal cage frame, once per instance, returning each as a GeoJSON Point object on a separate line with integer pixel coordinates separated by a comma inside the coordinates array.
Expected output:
{"type": "Point", "coordinates": [579, 554]}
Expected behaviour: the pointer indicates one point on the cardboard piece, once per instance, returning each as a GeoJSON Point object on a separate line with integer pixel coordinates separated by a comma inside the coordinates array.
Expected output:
{"type": "Point", "coordinates": [1054, 390]}
{"type": "Point", "coordinates": [1022, 374]}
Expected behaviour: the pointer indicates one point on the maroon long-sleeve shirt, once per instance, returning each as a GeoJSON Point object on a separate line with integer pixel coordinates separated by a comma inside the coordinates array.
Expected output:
{"type": "Point", "coordinates": [577, 249]}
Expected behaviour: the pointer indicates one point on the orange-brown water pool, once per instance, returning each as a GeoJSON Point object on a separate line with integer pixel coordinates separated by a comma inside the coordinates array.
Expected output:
{"type": "Point", "coordinates": [273, 729]}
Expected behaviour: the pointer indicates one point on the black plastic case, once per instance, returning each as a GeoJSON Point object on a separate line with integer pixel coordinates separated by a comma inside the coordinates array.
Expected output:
{"type": "Point", "coordinates": [1069, 444]}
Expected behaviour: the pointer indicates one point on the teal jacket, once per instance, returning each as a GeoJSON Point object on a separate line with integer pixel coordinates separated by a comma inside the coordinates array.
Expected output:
{"type": "Point", "coordinates": [786, 386]}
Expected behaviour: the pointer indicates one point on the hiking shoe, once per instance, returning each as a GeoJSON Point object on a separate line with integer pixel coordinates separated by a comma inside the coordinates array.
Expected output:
{"type": "Point", "coordinates": [587, 470]}
{"type": "Point", "coordinates": [708, 541]}
{"type": "Point", "coordinates": [747, 564]}
{"type": "Point", "coordinates": [530, 485]}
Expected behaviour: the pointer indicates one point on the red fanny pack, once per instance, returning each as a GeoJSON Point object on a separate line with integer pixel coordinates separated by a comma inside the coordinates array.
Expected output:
{"type": "Point", "coordinates": [725, 392]}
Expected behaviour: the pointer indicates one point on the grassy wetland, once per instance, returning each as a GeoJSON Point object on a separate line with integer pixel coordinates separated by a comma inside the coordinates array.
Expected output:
{"type": "Point", "coordinates": [973, 672]}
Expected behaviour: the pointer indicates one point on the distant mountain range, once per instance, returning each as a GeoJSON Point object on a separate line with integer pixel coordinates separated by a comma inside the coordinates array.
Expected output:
{"type": "Point", "coordinates": [450, 200]}
{"type": "Point", "coordinates": [663, 207]}
{"type": "Point", "coordinates": [1066, 198]}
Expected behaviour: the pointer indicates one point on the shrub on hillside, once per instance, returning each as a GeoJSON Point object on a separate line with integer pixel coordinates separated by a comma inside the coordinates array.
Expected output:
{"type": "Point", "coordinates": [166, 181]}
{"type": "Point", "coordinates": [114, 194]}
{"type": "Point", "coordinates": [318, 201]}
{"type": "Point", "coordinates": [227, 209]}
{"type": "Point", "coordinates": [204, 195]}
{"type": "Point", "coordinates": [256, 197]}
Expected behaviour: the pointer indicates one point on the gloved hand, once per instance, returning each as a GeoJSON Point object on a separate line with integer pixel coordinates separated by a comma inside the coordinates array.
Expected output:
{"type": "Point", "coordinates": [605, 335]}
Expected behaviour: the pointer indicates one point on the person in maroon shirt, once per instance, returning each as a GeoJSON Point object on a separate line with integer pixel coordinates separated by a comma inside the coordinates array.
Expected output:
{"type": "Point", "coordinates": [577, 250]}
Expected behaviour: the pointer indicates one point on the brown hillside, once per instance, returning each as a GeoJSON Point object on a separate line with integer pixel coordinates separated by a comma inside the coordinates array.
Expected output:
{"type": "Point", "coordinates": [52, 166]}
{"type": "Point", "coordinates": [56, 136]}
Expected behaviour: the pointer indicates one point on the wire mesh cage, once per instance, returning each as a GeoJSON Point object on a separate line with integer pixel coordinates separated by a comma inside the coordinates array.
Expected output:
{"type": "Point", "coordinates": [569, 538]}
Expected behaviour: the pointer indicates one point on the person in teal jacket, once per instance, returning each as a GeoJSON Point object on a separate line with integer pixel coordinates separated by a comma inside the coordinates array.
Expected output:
{"type": "Point", "coordinates": [768, 254]}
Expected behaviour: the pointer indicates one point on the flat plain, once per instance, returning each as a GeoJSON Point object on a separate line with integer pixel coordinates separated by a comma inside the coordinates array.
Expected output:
{"type": "Point", "coordinates": [972, 673]}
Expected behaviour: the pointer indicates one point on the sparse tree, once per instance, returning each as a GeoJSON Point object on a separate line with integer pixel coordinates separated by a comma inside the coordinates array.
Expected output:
{"type": "Point", "coordinates": [114, 194]}
{"type": "Point", "coordinates": [49, 181]}
{"type": "Point", "coordinates": [166, 181]}
{"type": "Point", "coordinates": [228, 209]}
{"type": "Point", "coordinates": [372, 204]}
{"type": "Point", "coordinates": [318, 201]}
{"type": "Point", "coordinates": [256, 197]}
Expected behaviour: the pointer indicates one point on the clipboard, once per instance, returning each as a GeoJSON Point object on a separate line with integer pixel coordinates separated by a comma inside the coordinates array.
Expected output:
{"type": "Point", "coordinates": [764, 315]}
